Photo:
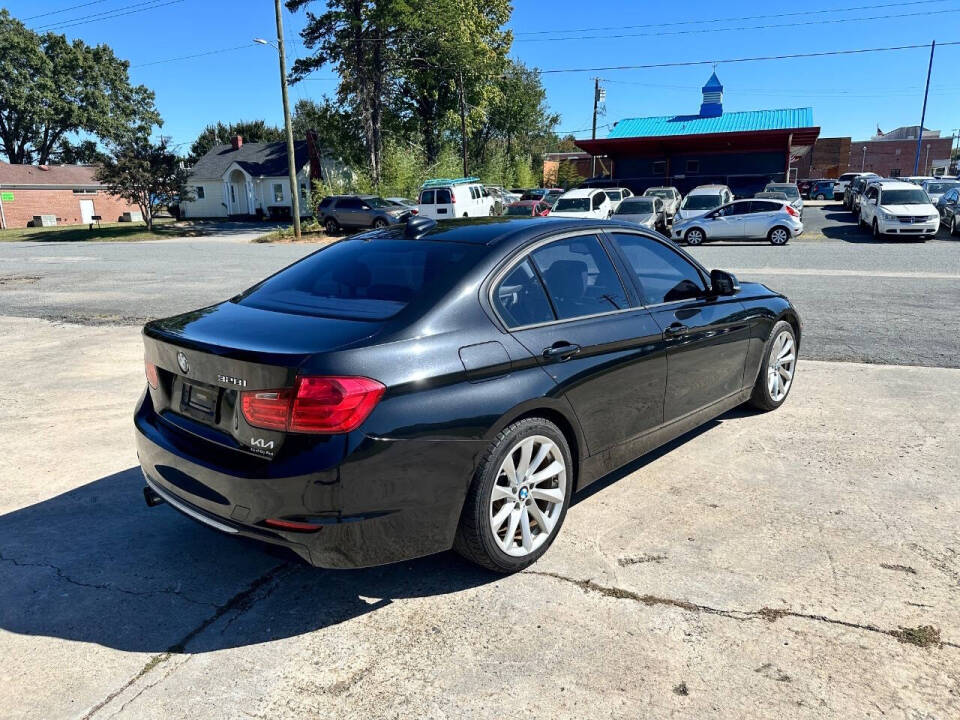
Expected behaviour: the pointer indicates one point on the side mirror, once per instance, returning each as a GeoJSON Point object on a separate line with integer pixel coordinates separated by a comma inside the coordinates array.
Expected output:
{"type": "Point", "coordinates": [364, 207]}
{"type": "Point", "coordinates": [723, 283]}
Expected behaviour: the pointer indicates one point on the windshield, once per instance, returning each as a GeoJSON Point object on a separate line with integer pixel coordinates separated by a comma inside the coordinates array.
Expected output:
{"type": "Point", "coordinates": [635, 207]}
{"type": "Point", "coordinates": [572, 205]}
{"type": "Point", "coordinates": [941, 187]}
{"type": "Point", "coordinates": [700, 202]}
{"type": "Point", "coordinates": [790, 191]}
{"type": "Point", "coordinates": [525, 210]}
{"type": "Point", "coordinates": [377, 202]}
{"type": "Point", "coordinates": [613, 194]}
{"type": "Point", "coordinates": [659, 193]}
{"type": "Point", "coordinates": [905, 197]}
{"type": "Point", "coordinates": [364, 280]}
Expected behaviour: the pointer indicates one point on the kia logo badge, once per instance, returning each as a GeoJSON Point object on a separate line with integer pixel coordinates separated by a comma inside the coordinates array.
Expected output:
{"type": "Point", "coordinates": [182, 362]}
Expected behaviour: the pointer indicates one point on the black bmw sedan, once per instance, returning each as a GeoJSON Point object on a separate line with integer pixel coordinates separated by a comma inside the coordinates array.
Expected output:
{"type": "Point", "coordinates": [428, 386]}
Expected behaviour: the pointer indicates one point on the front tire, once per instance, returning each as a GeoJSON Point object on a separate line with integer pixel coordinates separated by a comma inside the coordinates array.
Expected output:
{"type": "Point", "coordinates": [954, 228]}
{"type": "Point", "coordinates": [779, 236]}
{"type": "Point", "coordinates": [777, 370]}
{"type": "Point", "coordinates": [821, 196]}
{"type": "Point", "coordinates": [877, 235]}
{"type": "Point", "coordinates": [518, 498]}
{"type": "Point", "coordinates": [694, 236]}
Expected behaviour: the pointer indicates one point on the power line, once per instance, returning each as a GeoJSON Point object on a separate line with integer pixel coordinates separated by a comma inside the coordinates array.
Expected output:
{"type": "Point", "coordinates": [728, 19]}
{"type": "Point", "coordinates": [776, 26]}
{"type": "Point", "coordinates": [108, 14]}
{"type": "Point", "coordinates": [63, 10]}
{"type": "Point", "coordinates": [195, 55]}
{"type": "Point", "coordinates": [790, 56]}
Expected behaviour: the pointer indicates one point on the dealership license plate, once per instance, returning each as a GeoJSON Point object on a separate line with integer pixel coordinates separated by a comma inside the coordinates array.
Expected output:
{"type": "Point", "coordinates": [200, 399]}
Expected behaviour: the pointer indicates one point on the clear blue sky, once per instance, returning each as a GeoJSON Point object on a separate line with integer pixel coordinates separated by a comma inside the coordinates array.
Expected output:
{"type": "Point", "coordinates": [850, 95]}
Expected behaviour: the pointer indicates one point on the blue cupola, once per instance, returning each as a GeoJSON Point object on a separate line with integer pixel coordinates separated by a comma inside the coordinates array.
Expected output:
{"type": "Point", "coordinates": [712, 105]}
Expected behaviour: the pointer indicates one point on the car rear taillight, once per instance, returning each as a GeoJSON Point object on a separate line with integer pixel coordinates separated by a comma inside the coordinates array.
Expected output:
{"type": "Point", "coordinates": [453, 198]}
{"type": "Point", "coordinates": [414, 211]}
{"type": "Point", "coordinates": [790, 209]}
{"type": "Point", "coordinates": [314, 405]}
{"type": "Point", "coordinates": [153, 377]}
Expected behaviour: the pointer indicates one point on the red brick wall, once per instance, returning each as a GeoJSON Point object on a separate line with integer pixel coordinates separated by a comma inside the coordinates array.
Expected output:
{"type": "Point", "coordinates": [65, 204]}
{"type": "Point", "coordinates": [885, 156]}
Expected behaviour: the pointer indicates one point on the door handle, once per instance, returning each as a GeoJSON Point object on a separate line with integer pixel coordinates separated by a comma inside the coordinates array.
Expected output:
{"type": "Point", "coordinates": [676, 329]}
{"type": "Point", "coordinates": [561, 351]}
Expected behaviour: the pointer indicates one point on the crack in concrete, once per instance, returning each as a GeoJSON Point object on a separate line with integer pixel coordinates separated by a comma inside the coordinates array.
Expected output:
{"type": "Point", "coordinates": [241, 602]}
{"type": "Point", "coordinates": [922, 636]}
{"type": "Point", "coordinates": [99, 586]}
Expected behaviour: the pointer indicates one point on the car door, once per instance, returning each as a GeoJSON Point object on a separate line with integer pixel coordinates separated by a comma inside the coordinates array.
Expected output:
{"type": "Point", "coordinates": [348, 212]}
{"type": "Point", "coordinates": [868, 204]}
{"type": "Point", "coordinates": [706, 336]}
{"type": "Point", "coordinates": [566, 302]}
{"type": "Point", "coordinates": [757, 222]}
{"type": "Point", "coordinates": [726, 222]}
{"type": "Point", "coordinates": [948, 206]}
{"type": "Point", "coordinates": [445, 207]}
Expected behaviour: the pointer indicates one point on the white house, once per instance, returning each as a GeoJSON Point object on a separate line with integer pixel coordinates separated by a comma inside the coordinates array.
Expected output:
{"type": "Point", "coordinates": [247, 179]}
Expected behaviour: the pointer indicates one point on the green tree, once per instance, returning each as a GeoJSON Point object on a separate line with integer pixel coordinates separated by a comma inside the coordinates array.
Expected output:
{"type": "Point", "coordinates": [338, 131]}
{"type": "Point", "coordinates": [51, 88]}
{"type": "Point", "coordinates": [219, 134]}
{"type": "Point", "coordinates": [85, 152]}
{"type": "Point", "coordinates": [146, 173]}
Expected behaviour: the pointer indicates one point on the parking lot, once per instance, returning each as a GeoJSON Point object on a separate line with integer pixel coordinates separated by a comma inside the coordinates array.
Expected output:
{"type": "Point", "coordinates": [804, 563]}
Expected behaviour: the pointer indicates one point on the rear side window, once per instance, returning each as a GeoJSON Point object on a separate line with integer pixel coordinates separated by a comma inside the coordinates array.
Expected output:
{"type": "Point", "coordinates": [350, 203]}
{"type": "Point", "coordinates": [326, 202]}
{"type": "Point", "coordinates": [759, 206]}
{"type": "Point", "coordinates": [364, 280]}
{"type": "Point", "coordinates": [663, 275]}
{"type": "Point", "coordinates": [580, 278]}
{"type": "Point", "coordinates": [520, 298]}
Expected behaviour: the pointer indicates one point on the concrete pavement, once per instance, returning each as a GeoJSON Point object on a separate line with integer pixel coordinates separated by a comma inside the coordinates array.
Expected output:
{"type": "Point", "coordinates": [778, 565]}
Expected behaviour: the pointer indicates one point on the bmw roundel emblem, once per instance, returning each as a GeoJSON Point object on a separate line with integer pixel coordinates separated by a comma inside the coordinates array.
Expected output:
{"type": "Point", "coordinates": [524, 493]}
{"type": "Point", "coordinates": [182, 362]}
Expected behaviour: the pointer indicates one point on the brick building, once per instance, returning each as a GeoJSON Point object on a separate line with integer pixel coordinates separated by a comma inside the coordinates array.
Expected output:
{"type": "Point", "coordinates": [578, 163]}
{"type": "Point", "coordinates": [71, 193]}
{"type": "Point", "coordinates": [829, 158]}
{"type": "Point", "coordinates": [893, 154]}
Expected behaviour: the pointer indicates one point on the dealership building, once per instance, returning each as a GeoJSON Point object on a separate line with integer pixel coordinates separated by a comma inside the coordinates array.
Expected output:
{"type": "Point", "coordinates": [744, 150]}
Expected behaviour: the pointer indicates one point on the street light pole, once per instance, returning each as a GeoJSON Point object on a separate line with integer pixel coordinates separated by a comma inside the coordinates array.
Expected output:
{"type": "Point", "coordinates": [291, 160]}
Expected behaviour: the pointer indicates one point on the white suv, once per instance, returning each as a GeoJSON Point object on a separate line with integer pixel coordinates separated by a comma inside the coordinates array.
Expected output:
{"type": "Point", "coordinates": [583, 203]}
{"type": "Point", "coordinates": [894, 207]}
{"type": "Point", "coordinates": [703, 199]}
{"type": "Point", "coordinates": [445, 199]}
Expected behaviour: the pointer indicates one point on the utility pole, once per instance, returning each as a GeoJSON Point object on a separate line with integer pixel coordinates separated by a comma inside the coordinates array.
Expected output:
{"type": "Point", "coordinates": [923, 113]}
{"type": "Point", "coordinates": [463, 124]}
{"type": "Point", "coordinates": [593, 136]}
{"type": "Point", "coordinates": [291, 161]}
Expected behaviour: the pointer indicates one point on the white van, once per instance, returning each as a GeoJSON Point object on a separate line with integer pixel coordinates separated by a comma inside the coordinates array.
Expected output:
{"type": "Point", "coordinates": [445, 199]}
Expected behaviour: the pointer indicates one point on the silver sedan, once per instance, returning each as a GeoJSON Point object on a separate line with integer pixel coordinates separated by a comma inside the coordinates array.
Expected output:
{"type": "Point", "coordinates": [650, 212]}
{"type": "Point", "coordinates": [772, 220]}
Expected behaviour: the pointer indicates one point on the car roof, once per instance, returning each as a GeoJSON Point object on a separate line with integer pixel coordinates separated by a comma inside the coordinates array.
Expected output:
{"type": "Point", "coordinates": [582, 192]}
{"type": "Point", "coordinates": [894, 185]}
{"type": "Point", "coordinates": [707, 189]}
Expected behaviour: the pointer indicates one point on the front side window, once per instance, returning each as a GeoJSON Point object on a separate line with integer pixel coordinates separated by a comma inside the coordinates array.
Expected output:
{"type": "Point", "coordinates": [579, 277]}
{"type": "Point", "coordinates": [520, 298]}
{"type": "Point", "coordinates": [663, 275]}
{"type": "Point", "coordinates": [278, 192]}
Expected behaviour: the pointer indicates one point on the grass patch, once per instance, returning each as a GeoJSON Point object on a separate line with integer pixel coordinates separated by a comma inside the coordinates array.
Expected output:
{"type": "Point", "coordinates": [107, 232]}
{"type": "Point", "coordinates": [922, 635]}
{"type": "Point", "coordinates": [310, 231]}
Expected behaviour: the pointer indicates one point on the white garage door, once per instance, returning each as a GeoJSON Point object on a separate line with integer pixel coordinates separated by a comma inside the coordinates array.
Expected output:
{"type": "Point", "coordinates": [86, 210]}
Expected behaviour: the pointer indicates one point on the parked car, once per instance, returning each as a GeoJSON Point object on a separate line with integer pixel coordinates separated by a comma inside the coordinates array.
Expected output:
{"type": "Point", "coordinates": [916, 179]}
{"type": "Point", "coordinates": [854, 191]}
{"type": "Point", "coordinates": [948, 206]}
{"type": "Point", "coordinates": [548, 195]}
{"type": "Point", "coordinates": [528, 208]}
{"type": "Point", "coordinates": [444, 199]}
{"type": "Point", "coordinates": [805, 186]}
{"type": "Point", "coordinates": [322, 410]}
{"type": "Point", "coordinates": [403, 202]}
{"type": "Point", "coordinates": [617, 195]}
{"type": "Point", "coordinates": [773, 220]}
{"type": "Point", "coordinates": [893, 207]}
{"type": "Point", "coordinates": [650, 212]}
{"type": "Point", "coordinates": [501, 197]}
{"type": "Point", "coordinates": [791, 191]}
{"type": "Point", "coordinates": [590, 203]}
{"type": "Point", "coordinates": [702, 200]}
{"type": "Point", "coordinates": [821, 190]}
{"type": "Point", "coordinates": [843, 182]}
{"type": "Point", "coordinates": [772, 196]}
{"type": "Point", "coordinates": [936, 188]}
{"type": "Point", "coordinates": [671, 198]}
{"type": "Point", "coordinates": [854, 182]}
{"type": "Point", "coordinates": [338, 212]}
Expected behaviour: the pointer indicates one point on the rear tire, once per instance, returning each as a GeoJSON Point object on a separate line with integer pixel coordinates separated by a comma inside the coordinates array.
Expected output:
{"type": "Point", "coordinates": [779, 236]}
{"type": "Point", "coordinates": [331, 226]}
{"type": "Point", "coordinates": [821, 196]}
{"type": "Point", "coordinates": [694, 236]}
{"type": "Point", "coordinates": [780, 359]}
{"type": "Point", "coordinates": [380, 223]}
{"type": "Point", "coordinates": [527, 511]}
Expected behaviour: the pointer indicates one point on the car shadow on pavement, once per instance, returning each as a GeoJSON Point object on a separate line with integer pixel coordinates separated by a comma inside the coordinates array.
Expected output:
{"type": "Point", "coordinates": [96, 565]}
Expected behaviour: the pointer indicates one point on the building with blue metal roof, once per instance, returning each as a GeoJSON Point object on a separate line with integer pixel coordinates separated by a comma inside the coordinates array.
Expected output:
{"type": "Point", "coordinates": [744, 150]}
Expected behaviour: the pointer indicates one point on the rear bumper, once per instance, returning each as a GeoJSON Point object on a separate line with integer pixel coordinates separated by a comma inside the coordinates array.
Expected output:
{"type": "Point", "coordinates": [384, 502]}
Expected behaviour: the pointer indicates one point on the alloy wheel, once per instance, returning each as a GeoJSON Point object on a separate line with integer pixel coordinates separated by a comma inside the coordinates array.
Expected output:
{"type": "Point", "coordinates": [780, 366]}
{"type": "Point", "coordinates": [694, 237]}
{"type": "Point", "coordinates": [528, 495]}
{"type": "Point", "coordinates": [779, 236]}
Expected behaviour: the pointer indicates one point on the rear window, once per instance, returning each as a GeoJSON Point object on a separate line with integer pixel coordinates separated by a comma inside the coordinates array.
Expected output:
{"type": "Point", "coordinates": [364, 280]}
{"type": "Point", "coordinates": [635, 206]}
{"type": "Point", "coordinates": [791, 191]}
{"type": "Point", "coordinates": [701, 202]}
{"type": "Point", "coordinates": [524, 210]}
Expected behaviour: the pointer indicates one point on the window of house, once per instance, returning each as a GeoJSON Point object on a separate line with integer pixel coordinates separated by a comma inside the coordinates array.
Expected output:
{"type": "Point", "coordinates": [693, 166]}
{"type": "Point", "coordinates": [895, 172]}
{"type": "Point", "coordinates": [520, 298]}
{"type": "Point", "coordinates": [233, 194]}
{"type": "Point", "coordinates": [200, 191]}
{"type": "Point", "coordinates": [82, 191]}
{"type": "Point", "coordinates": [663, 275]}
{"type": "Point", "coordinates": [579, 277]}
{"type": "Point", "coordinates": [660, 167]}
{"type": "Point", "coordinates": [278, 192]}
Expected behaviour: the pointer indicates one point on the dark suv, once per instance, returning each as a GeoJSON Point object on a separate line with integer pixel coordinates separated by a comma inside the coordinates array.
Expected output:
{"type": "Point", "coordinates": [337, 212]}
